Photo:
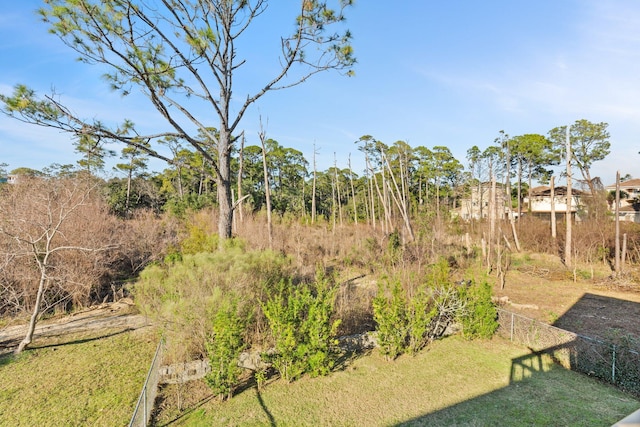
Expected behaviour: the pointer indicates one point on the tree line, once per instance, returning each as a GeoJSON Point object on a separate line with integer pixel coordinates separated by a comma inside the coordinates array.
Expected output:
{"type": "Point", "coordinates": [398, 182]}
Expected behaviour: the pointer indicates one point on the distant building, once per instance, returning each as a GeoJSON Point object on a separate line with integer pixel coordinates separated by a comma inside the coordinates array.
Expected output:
{"type": "Point", "coordinates": [476, 204]}
{"type": "Point", "coordinates": [540, 203]}
{"type": "Point", "coordinates": [630, 203]}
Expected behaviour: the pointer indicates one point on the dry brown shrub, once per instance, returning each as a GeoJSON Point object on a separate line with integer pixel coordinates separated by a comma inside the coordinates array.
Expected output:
{"type": "Point", "coordinates": [146, 238]}
{"type": "Point", "coordinates": [102, 251]}
{"type": "Point", "coordinates": [64, 221]}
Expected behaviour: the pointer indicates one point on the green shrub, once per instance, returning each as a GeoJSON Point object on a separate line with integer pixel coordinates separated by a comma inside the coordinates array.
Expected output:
{"type": "Point", "coordinates": [223, 346]}
{"type": "Point", "coordinates": [319, 328]}
{"type": "Point", "coordinates": [283, 312]}
{"type": "Point", "coordinates": [411, 323]}
{"type": "Point", "coordinates": [394, 248]}
{"type": "Point", "coordinates": [420, 315]}
{"type": "Point", "coordinates": [480, 318]}
{"type": "Point", "coordinates": [198, 240]}
{"type": "Point", "coordinates": [390, 315]}
{"type": "Point", "coordinates": [179, 296]}
{"type": "Point", "coordinates": [299, 318]}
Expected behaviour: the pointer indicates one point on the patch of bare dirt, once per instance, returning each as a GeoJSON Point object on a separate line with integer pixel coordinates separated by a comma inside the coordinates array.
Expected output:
{"type": "Point", "coordinates": [589, 302]}
{"type": "Point", "coordinates": [104, 318]}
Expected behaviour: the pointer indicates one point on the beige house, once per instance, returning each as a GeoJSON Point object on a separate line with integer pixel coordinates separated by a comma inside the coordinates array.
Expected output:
{"type": "Point", "coordinates": [630, 204]}
{"type": "Point", "coordinates": [540, 203]}
{"type": "Point", "coordinates": [476, 204]}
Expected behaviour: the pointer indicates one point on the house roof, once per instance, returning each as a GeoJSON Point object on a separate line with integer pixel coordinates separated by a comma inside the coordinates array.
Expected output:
{"type": "Point", "coordinates": [630, 183]}
{"type": "Point", "coordinates": [630, 208]}
{"type": "Point", "coordinates": [544, 190]}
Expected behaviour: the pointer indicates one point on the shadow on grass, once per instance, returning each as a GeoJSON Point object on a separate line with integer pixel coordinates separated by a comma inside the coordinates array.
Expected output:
{"type": "Point", "coordinates": [347, 358]}
{"type": "Point", "coordinates": [272, 421]}
{"type": "Point", "coordinates": [53, 341]}
{"type": "Point", "coordinates": [80, 340]}
{"type": "Point", "coordinates": [602, 317]}
{"type": "Point", "coordinates": [6, 360]}
{"type": "Point", "coordinates": [539, 393]}
{"type": "Point", "coordinates": [542, 389]}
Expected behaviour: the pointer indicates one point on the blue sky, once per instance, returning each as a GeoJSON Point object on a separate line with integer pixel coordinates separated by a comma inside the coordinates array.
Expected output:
{"type": "Point", "coordinates": [431, 73]}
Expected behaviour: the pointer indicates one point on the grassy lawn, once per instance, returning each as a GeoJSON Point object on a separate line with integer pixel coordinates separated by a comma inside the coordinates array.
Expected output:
{"type": "Point", "coordinates": [454, 383]}
{"type": "Point", "coordinates": [87, 380]}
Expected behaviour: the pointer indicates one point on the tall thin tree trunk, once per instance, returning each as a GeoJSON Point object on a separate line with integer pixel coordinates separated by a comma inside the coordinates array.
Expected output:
{"type": "Point", "coordinates": [400, 203]}
{"type": "Point", "coordinates": [387, 219]}
{"type": "Point", "coordinates": [338, 195]}
{"type": "Point", "coordinates": [385, 201]}
{"type": "Point", "coordinates": [42, 265]}
{"type": "Point", "coordinates": [333, 202]}
{"type": "Point", "coordinates": [492, 221]}
{"type": "Point", "coordinates": [437, 183]}
{"type": "Point", "coordinates": [240, 173]}
{"type": "Point", "coordinates": [267, 190]}
{"type": "Point", "coordinates": [370, 190]}
{"type": "Point", "coordinates": [519, 189]}
{"type": "Point", "coordinates": [202, 178]}
{"type": "Point", "coordinates": [129, 178]}
{"type": "Point", "coordinates": [568, 247]}
{"type": "Point", "coordinates": [403, 185]}
{"type": "Point", "coordinates": [313, 188]}
{"type": "Point", "coordinates": [235, 218]}
{"type": "Point", "coordinates": [529, 189]}
{"type": "Point", "coordinates": [481, 198]}
{"type": "Point", "coordinates": [617, 254]}
{"type": "Point", "coordinates": [554, 227]}
{"type": "Point", "coordinates": [225, 220]}
{"type": "Point", "coordinates": [353, 194]}
{"type": "Point", "coordinates": [515, 234]}
{"type": "Point", "coordinates": [623, 255]}
{"type": "Point", "coordinates": [304, 207]}
{"type": "Point", "coordinates": [180, 189]}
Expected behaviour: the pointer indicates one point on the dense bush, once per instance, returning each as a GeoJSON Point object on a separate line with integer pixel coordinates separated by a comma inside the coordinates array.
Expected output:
{"type": "Point", "coordinates": [410, 323]}
{"type": "Point", "coordinates": [303, 331]}
{"type": "Point", "coordinates": [480, 319]}
{"type": "Point", "coordinates": [390, 314]}
{"type": "Point", "coordinates": [224, 344]}
{"type": "Point", "coordinates": [180, 294]}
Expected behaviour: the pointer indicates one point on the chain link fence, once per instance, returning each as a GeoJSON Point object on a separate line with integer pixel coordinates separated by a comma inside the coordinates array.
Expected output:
{"type": "Point", "coordinates": [144, 407]}
{"type": "Point", "coordinates": [615, 363]}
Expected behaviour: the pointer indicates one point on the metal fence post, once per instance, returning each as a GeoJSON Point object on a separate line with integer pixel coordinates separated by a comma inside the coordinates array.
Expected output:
{"type": "Point", "coordinates": [144, 399]}
{"type": "Point", "coordinates": [512, 325]}
{"type": "Point", "coordinates": [613, 366]}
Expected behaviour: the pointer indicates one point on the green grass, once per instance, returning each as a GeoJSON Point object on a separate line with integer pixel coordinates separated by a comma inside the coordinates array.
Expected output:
{"type": "Point", "coordinates": [84, 381]}
{"type": "Point", "coordinates": [95, 381]}
{"type": "Point", "coordinates": [455, 382]}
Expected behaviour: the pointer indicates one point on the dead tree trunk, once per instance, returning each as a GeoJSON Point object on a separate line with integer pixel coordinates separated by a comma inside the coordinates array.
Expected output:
{"type": "Point", "coordinates": [240, 173]}
{"type": "Point", "coordinates": [353, 194]}
{"type": "Point", "coordinates": [617, 251]}
{"type": "Point", "coordinates": [553, 209]}
{"type": "Point", "coordinates": [568, 248]}
{"type": "Point", "coordinates": [267, 191]}
{"type": "Point", "coordinates": [313, 188]}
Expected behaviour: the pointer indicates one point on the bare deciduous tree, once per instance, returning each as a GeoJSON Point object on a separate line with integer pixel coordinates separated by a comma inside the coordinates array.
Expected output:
{"type": "Point", "coordinates": [57, 230]}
